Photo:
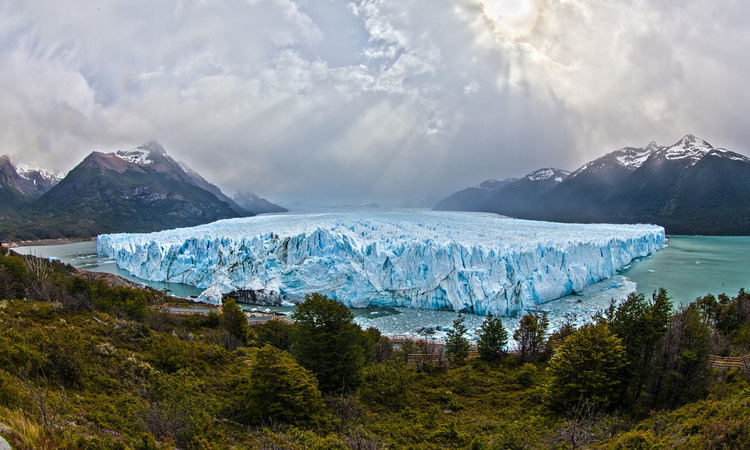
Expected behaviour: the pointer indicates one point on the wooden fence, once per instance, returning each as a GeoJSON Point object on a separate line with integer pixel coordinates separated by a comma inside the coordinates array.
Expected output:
{"type": "Point", "coordinates": [729, 362]}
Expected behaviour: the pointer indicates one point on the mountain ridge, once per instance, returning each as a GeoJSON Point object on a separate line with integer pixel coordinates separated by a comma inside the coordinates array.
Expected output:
{"type": "Point", "coordinates": [137, 190]}
{"type": "Point", "coordinates": [689, 187]}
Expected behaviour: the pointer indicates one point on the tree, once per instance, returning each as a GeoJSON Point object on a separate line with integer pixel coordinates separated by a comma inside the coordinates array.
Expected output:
{"type": "Point", "coordinates": [274, 332]}
{"type": "Point", "coordinates": [326, 341]}
{"type": "Point", "coordinates": [530, 336]}
{"type": "Point", "coordinates": [640, 324]}
{"type": "Point", "coordinates": [276, 388]}
{"type": "Point", "coordinates": [492, 339]}
{"type": "Point", "coordinates": [586, 369]}
{"type": "Point", "coordinates": [734, 313]}
{"type": "Point", "coordinates": [456, 345]}
{"type": "Point", "coordinates": [681, 359]}
{"type": "Point", "coordinates": [234, 321]}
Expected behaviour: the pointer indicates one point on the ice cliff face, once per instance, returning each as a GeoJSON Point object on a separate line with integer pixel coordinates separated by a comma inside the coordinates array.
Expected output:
{"type": "Point", "coordinates": [473, 262]}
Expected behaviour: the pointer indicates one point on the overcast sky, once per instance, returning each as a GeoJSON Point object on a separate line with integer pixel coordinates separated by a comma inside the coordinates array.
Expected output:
{"type": "Point", "coordinates": [353, 101]}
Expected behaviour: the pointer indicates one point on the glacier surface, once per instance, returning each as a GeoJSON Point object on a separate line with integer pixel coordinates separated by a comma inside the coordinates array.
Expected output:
{"type": "Point", "coordinates": [470, 262]}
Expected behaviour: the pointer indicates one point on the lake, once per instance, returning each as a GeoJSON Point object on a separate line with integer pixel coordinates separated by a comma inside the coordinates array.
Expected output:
{"type": "Point", "coordinates": [689, 267]}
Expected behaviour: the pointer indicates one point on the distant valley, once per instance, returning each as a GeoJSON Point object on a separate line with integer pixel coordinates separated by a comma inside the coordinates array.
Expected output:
{"type": "Point", "coordinates": [688, 188]}
{"type": "Point", "coordinates": [139, 190]}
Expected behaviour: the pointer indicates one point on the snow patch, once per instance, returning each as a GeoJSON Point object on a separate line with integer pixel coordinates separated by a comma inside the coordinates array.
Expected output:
{"type": "Point", "coordinates": [136, 156]}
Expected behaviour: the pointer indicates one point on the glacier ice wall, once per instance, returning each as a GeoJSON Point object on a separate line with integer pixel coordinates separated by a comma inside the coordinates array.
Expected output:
{"type": "Point", "coordinates": [470, 262]}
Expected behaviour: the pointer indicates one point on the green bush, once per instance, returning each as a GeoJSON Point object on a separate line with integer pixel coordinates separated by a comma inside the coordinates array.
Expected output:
{"type": "Point", "coordinates": [637, 440]}
{"type": "Point", "coordinates": [388, 384]}
{"type": "Point", "coordinates": [276, 388]}
{"type": "Point", "coordinates": [586, 368]}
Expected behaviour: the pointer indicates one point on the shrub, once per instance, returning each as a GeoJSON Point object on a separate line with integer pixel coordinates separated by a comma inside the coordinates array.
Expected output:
{"type": "Point", "coordinates": [276, 388]}
{"type": "Point", "coordinates": [586, 367]}
{"type": "Point", "coordinates": [388, 384]}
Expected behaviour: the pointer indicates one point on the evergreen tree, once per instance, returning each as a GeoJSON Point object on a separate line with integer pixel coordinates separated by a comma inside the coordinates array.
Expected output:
{"type": "Point", "coordinates": [492, 339]}
{"type": "Point", "coordinates": [276, 388]}
{"type": "Point", "coordinates": [585, 369]}
{"type": "Point", "coordinates": [326, 341]}
{"type": "Point", "coordinates": [530, 336]}
{"type": "Point", "coordinates": [456, 345]}
{"type": "Point", "coordinates": [640, 324]}
{"type": "Point", "coordinates": [234, 321]}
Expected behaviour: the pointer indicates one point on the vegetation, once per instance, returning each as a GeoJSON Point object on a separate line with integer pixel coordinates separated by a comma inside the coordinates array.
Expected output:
{"type": "Point", "coordinates": [456, 344]}
{"type": "Point", "coordinates": [530, 336]}
{"type": "Point", "coordinates": [326, 341]}
{"type": "Point", "coordinates": [87, 365]}
{"type": "Point", "coordinates": [493, 339]}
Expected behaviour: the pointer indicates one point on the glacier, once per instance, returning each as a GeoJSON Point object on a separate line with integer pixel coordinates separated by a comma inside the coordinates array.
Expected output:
{"type": "Point", "coordinates": [473, 262]}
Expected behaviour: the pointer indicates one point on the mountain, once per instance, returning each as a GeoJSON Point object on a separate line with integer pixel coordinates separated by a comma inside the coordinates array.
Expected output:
{"type": "Point", "coordinates": [21, 185]}
{"type": "Point", "coordinates": [139, 190]}
{"type": "Point", "coordinates": [520, 197]}
{"type": "Point", "coordinates": [257, 205]}
{"type": "Point", "coordinates": [689, 188]}
{"type": "Point", "coordinates": [473, 198]}
{"type": "Point", "coordinates": [510, 197]}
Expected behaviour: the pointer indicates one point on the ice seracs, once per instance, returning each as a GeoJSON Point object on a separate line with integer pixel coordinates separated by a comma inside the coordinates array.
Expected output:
{"type": "Point", "coordinates": [470, 262]}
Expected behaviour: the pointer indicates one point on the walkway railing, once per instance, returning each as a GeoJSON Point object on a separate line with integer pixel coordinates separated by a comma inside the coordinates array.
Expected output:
{"type": "Point", "coordinates": [729, 362]}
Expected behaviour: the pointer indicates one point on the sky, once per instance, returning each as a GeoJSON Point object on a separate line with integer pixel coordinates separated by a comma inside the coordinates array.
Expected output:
{"type": "Point", "coordinates": [371, 100]}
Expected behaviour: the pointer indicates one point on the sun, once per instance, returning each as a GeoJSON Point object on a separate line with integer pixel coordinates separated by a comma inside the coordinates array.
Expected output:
{"type": "Point", "coordinates": [512, 17]}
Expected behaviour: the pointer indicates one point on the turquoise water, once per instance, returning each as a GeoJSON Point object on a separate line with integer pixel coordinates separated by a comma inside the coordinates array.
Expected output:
{"type": "Point", "coordinates": [83, 255]}
{"type": "Point", "coordinates": [693, 266]}
{"type": "Point", "coordinates": [689, 267]}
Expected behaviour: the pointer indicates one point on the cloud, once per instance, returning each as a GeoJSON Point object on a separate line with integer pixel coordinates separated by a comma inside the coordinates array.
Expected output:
{"type": "Point", "coordinates": [370, 99]}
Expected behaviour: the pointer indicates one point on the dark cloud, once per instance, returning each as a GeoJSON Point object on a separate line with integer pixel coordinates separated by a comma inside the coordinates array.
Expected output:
{"type": "Point", "coordinates": [373, 99]}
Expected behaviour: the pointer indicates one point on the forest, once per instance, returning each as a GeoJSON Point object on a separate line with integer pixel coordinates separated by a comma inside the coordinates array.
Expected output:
{"type": "Point", "coordinates": [88, 364]}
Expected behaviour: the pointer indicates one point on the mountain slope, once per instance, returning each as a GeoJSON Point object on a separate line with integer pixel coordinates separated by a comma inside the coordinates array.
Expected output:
{"type": "Point", "coordinates": [689, 188]}
{"type": "Point", "coordinates": [255, 204]}
{"type": "Point", "coordinates": [520, 197]}
{"type": "Point", "coordinates": [137, 191]}
{"type": "Point", "coordinates": [21, 185]}
{"type": "Point", "coordinates": [473, 198]}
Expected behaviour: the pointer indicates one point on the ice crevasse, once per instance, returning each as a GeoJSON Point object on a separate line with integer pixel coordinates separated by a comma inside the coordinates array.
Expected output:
{"type": "Point", "coordinates": [470, 262]}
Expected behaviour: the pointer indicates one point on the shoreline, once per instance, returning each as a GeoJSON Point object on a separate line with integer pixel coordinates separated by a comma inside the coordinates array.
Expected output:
{"type": "Point", "coordinates": [46, 242]}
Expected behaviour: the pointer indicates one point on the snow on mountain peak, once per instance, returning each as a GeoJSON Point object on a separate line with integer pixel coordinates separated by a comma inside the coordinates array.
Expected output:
{"type": "Point", "coordinates": [634, 158]}
{"type": "Point", "coordinates": [141, 155]}
{"type": "Point", "coordinates": [136, 156]}
{"type": "Point", "coordinates": [547, 173]}
{"type": "Point", "coordinates": [689, 148]}
{"type": "Point", "coordinates": [27, 172]}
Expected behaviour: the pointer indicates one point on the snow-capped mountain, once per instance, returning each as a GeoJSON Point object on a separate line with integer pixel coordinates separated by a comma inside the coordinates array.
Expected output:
{"type": "Point", "coordinates": [140, 189]}
{"type": "Point", "coordinates": [555, 175]}
{"type": "Point", "coordinates": [510, 197]}
{"type": "Point", "coordinates": [42, 178]}
{"type": "Point", "coordinates": [21, 184]}
{"type": "Point", "coordinates": [689, 187]}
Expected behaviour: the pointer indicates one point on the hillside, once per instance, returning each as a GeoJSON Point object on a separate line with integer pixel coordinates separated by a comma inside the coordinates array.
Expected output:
{"type": "Point", "coordinates": [87, 365]}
